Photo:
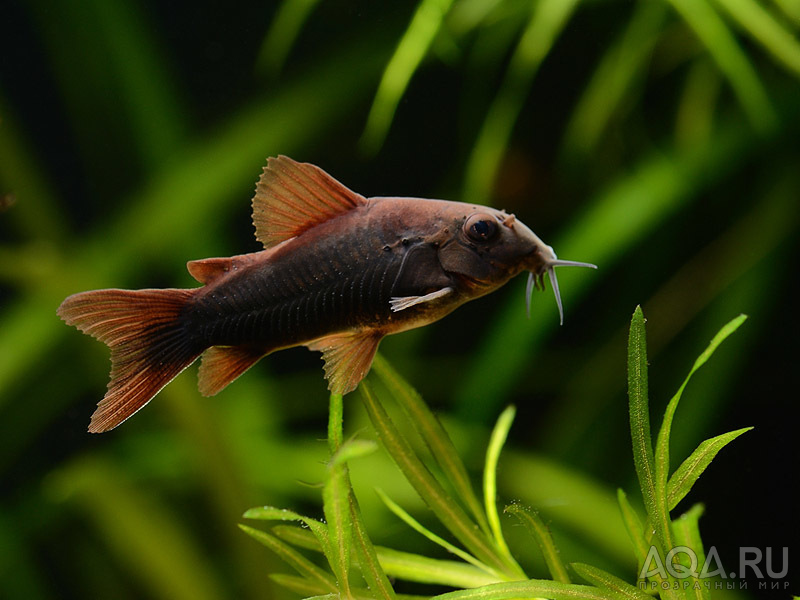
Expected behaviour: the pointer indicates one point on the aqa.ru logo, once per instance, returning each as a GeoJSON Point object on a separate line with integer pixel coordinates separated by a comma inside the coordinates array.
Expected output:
{"type": "Point", "coordinates": [682, 563]}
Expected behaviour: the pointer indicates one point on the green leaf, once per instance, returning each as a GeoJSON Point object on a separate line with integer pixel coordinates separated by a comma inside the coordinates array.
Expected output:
{"type": "Point", "coordinates": [283, 31]}
{"type": "Point", "coordinates": [638, 404]}
{"type": "Point", "coordinates": [633, 525]}
{"type": "Point", "coordinates": [422, 480]}
{"type": "Point", "coordinates": [371, 568]}
{"type": "Point", "coordinates": [413, 46]}
{"type": "Point", "coordinates": [612, 80]}
{"type": "Point", "coordinates": [690, 470]}
{"type": "Point", "coordinates": [731, 59]}
{"type": "Point", "coordinates": [270, 513]}
{"type": "Point", "coordinates": [297, 536]}
{"type": "Point", "coordinates": [662, 443]}
{"type": "Point", "coordinates": [762, 27]}
{"type": "Point", "coordinates": [687, 533]}
{"type": "Point", "coordinates": [607, 581]}
{"type": "Point", "coordinates": [434, 435]}
{"type": "Point", "coordinates": [301, 585]}
{"type": "Point", "coordinates": [498, 438]}
{"type": "Point", "coordinates": [404, 565]}
{"type": "Point", "coordinates": [544, 539]}
{"type": "Point", "coordinates": [532, 588]}
{"type": "Point", "coordinates": [415, 567]}
{"type": "Point", "coordinates": [294, 559]}
{"type": "Point", "coordinates": [545, 25]}
{"type": "Point", "coordinates": [420, 528]}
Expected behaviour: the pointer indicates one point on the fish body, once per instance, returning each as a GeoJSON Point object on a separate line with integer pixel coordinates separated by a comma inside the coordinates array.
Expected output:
{"type": "Point", "coordinates": [338, 273]}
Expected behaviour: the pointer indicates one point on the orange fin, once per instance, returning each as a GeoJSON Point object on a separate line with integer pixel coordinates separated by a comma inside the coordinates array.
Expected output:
{"type": "Point", "coordinates": [220, 365]}
{"type": "Point", "coordinates": [292, 197]}
{"type": "Point", "coordinates": [149, 346]}
{"type": "Point", "coordinates": [348, 357]}
{"type": "Point", "coordinates": [208, 270]}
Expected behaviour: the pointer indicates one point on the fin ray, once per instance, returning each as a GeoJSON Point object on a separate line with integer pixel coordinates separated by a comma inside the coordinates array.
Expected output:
{"type": "Point", "coordinates": [292, 197]}
{"type": "Point", "coordinates": [404, 302]}
{"type": "Point", "coordinates": [149, 347]}
{"type": "Point", "coordinates": [348, 358]}
{"type": "Point", "coordinates": [221, 365]}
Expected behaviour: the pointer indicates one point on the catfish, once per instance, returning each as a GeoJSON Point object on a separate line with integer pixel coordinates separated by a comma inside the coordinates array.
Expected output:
{"type": "Point", "coordinates": [338, 273]}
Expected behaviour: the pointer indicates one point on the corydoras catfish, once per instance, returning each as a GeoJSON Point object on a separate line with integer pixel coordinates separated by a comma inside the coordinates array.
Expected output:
{"type": "Point", "coordinates": [338, 273]}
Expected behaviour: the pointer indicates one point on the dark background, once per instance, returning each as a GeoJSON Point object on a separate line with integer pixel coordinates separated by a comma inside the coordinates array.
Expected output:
{"type": "Point", "coordinates": [131, 135]}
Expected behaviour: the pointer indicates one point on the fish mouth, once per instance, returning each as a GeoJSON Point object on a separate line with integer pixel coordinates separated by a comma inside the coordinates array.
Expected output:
{"type": "Point", "coordinates": [548, 267]}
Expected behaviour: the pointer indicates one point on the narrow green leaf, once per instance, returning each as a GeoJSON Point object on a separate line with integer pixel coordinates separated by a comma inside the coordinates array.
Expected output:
{"type": "Point", "coordinates": [690, 470]}
{"type": "Point", "coordinates": [434, 435]}
{"type": "Point", "coordinates": [731, 59]}
{"type": "Point", "coordinates": [353, 449]}
{"type": "Point", "coordinates": [638, 401]}
{"type": "Point", "coordinates": [532, 588]}
{"type": "Point", "coordinates": [403, 565]}
{"type": "Point", "coordinates": [283, 31]}
{"type": "Point", "coordinates": [422, 480]}
{"type": "Point", "coordinates": [413, 46]}
{"type": "Point", "coordinates": [762, 27]}
{"type": "Point", "coordinates": [310, 591]}
{"type": "Point", "coordinates": [415, 567]}
{"type": "Point", "coordinates": [301, 585]}
{"type": "Point", "coordinates": [297, 536]}
{"type": "Point", "coordinates": [687, 533]}
{"type": "Point", "coordinates": [544, 539]}
{"type": "Point", "coordinates": [633, 524]}
{"type": "Point", "coordinates": [270, 513]}
{"type": "Point", "coordinates": [662, 443]}
{"type": "Point", "coordinates": [496, 442]}
{"type": "Point", "coordinates": [545, 25]}
{"type": "Point", "coordinates": [622, 64]}
{"type": "Point", "coordinates": [698, 104]}
{"type": "Point", "coordinates": [621, 589]}
{"type": "Point", "coordinates": [293, 558]}
{"type": "Point", "coordinates": [790, 8]}
{"type": "Point", "coordinates": [371, 568]}
{"type": "Point", "coordinates": [420, 528]}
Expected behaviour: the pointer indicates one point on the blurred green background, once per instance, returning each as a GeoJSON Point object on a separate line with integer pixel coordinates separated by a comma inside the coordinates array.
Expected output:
{"type": "Point", "coordinates": [658, 139]}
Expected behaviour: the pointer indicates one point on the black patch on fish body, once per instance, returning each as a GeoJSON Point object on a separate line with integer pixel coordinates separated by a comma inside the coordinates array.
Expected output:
{"type": "Point", "coordinates": [315, 285]}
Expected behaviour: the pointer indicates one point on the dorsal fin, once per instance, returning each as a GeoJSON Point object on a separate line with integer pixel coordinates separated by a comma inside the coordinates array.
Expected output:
{"type": "Point", "coordinates": [292, 197]}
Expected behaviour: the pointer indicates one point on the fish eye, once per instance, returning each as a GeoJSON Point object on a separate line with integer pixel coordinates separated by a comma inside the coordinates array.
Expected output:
{"type": "Point", "coordinates": [481, 227]}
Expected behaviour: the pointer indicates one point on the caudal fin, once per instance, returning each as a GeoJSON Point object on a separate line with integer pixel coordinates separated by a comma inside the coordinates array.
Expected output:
{"type": "Point", "coordinates": [149, 347]}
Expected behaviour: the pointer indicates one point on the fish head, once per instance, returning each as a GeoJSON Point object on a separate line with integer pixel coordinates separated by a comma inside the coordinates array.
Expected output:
{"type": "Point", "coordinates": [489, 246]}
{"type": "Point", "coordinates": [486, 247]}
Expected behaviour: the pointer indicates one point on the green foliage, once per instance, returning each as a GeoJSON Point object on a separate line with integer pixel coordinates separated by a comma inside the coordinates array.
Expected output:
{"type": "Point", "coordinates": [489, 569]}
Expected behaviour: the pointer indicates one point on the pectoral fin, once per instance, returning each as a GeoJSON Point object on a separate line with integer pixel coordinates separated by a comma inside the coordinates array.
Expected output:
{"type": "Point", "coordinates": [405, 302]}
{"type": "Point", "coordinates": [348, 357]}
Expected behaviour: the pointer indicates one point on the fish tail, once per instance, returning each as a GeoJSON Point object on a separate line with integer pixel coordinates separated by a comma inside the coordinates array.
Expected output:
{"type": "Point", "coordinates": [149, 344]}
